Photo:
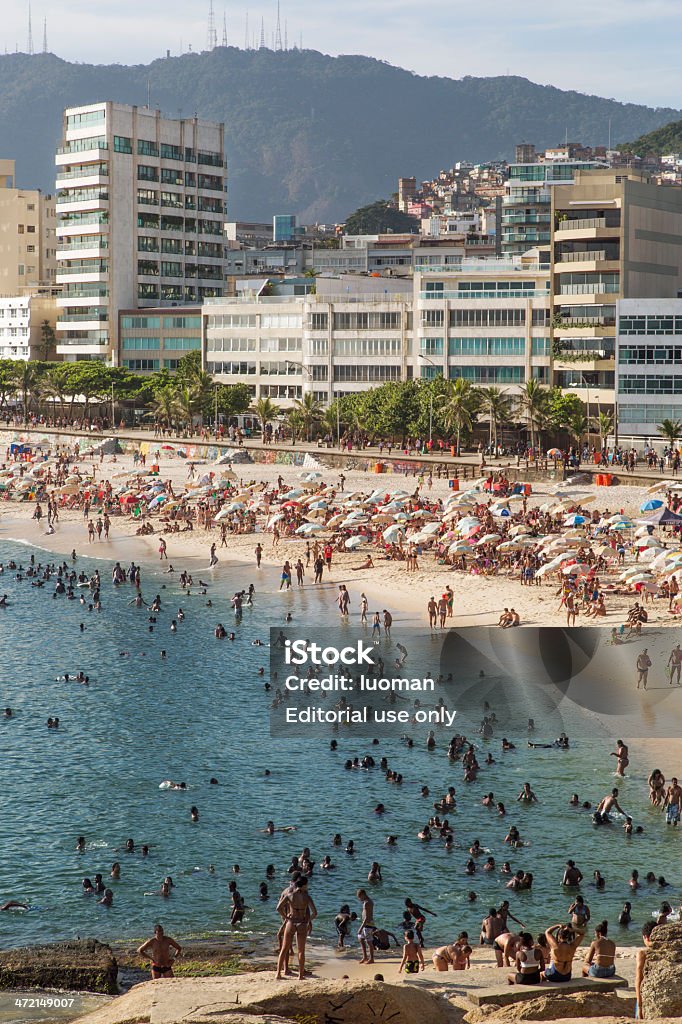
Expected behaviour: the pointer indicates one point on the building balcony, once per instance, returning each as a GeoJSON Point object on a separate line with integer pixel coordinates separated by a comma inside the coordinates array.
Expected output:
{"type": "Point", "coordinates": [67, 157]}
{"type": "Point", "coordinates": [587, 229]}
{"type": "Point", "coordinates": [596, 326]}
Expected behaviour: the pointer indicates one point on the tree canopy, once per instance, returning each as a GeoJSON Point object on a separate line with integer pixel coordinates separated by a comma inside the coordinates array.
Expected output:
{"type": "Point", "coordinates": [380, 218]}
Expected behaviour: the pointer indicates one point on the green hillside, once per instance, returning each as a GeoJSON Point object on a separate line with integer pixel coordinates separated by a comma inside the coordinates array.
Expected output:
{"type": "Point", "coordinates": [308, 133]}
{"type": "Point", "coordinates": [667, 139]}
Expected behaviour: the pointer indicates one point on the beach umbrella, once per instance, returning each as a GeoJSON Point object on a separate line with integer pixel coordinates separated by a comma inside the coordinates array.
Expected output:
{"type": "Point", "coordinates": [391, 532]}
{"type": "Point", "coordinates": [642, 531]}
{"type": "Point", "coordinates": [353, 542]}
{"type": "Point", "coordinates": [554, 453]}
{"type": "Point", "coordinates": [275, 519]}
{"type": "Point", "coordinates": [310, 528]}
{"type": "Point", "coordinates": [519, 528]}
{"type": "Point", "coordinates": [489, 538]}
{"type": "Point", "coordinates": [641, 578]}
{"type": "Point", "coordinates": [501, 512]}
{"type": "Point", "coordinates": [317, 513]}
{"type": "Point", "coordinates": [310, 477]}
{"type": "Point", "coordinates": [516, 497]}
{"type": "Point", "coordinates": [574, 520]}
{"type": "Point", "coordinates": [648, 542]}
{"type": "Point", "coordinates": [158, 500]}
{"type": "Point", "coordinates": [651, 504]}
{"type": "Point", "coordinates": [459, 548]}
{"type": "Point", "coordinates": [319, 503]}
{"type": "Point", "coordinates": [399, 494]}
{"type": "Point", "coordinates": [508, 545]}
{"type": "Point", "coordinates": [336, 520]}
{"type": "Point", "coordinates": [544, 569]}
{"type": "Point", "coordinates": [576, 569]}
{"type": "Point", "coordinates": [431, 528]}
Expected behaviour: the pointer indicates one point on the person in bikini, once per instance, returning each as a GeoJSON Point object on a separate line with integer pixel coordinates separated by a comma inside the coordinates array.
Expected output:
{"type": "Point", "coordinates": [299, 912]}
{"type": "Point", "coordinates": [563, 943]}
{"type": "Point", "coordinates": [600, 959]}
{"type": "Point", "coordinates": [159, 951]}
{"type": "Point", "coordinates": [530, 962]}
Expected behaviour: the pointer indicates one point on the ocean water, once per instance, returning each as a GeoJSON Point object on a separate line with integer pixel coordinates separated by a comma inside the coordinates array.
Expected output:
{"type": "Point", "coordinates": [203, 712]}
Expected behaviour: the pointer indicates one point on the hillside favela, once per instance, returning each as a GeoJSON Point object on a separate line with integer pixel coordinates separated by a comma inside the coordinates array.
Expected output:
{"type": "Point", "coordinates": [391, 304]}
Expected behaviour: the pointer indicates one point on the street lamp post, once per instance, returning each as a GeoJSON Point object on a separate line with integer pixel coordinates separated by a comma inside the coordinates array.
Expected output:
{"type": "Point", "coordinates": [215, 408]}
{"type": "Point", "coordinates": [113, 408]}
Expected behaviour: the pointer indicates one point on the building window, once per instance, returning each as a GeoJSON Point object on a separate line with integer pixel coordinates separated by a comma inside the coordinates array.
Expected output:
{"type": "Point", "coordinates": [431, 346]}
{"type": "Point", "coordinates": [141, 322]}
{"type": "Point", "coordinates": [122, 144]}
{"type": "Point", "coordinates": [141, 364]}
{"type": "Point", "coordinates": [187, 322]}
{"type": "Point", "coordinates": [169, 152]}
{"type": "Point", "coordinates": [140, 344]}
{"type": "Point", "coordinates": [318, 321]}
{"type": "Point", "coordinates": [85, 119]}
{"type": "Point", "coordinates": [148, 268]}
{"type": "Point", "coordinates": [147, 173]}
{"type": "Point", "coordinates": [148, 197]}
{"type": "Point", "coordinates": [146, 148]}
{"type": "Point", "coordinates": [366, 374]}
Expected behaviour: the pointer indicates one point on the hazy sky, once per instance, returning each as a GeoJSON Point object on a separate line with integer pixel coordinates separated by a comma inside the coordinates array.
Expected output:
{"type": "Point", "coordinates": [626, 49]}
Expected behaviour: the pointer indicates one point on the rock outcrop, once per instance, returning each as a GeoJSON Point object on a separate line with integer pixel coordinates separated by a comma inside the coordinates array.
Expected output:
{"type": "Point", "coordinates": [78, 966]}
{"type": "Point", "coordinates": [553, 1006]}
{"type": "Point", "coordinates": [257, 998]}
{"type": "Point", "coordinates": [662, 983]}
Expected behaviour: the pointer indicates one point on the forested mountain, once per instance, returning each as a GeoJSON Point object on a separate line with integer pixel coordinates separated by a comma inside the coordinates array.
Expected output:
{"type": "Point", "coordinates": [308, 133]}
{"type": "Point", "coordinates": [667, 139]}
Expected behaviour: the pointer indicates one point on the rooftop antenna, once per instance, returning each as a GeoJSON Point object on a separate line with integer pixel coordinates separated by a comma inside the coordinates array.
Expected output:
{"type": "Point", "coordinates": [224, 43]}
{"type": "Point", "coordinates": [609, 133]}
{"type": "Point", "coordinates": [286, 35]}
{"type": "Point", "coordinates": [278, 30]}
{"type": "Point", "coordinates": [149, 94]}
{"type": "Point", "coordinates": [262, 33]}
{"type": "Point", "coordinates": [30, 31]}
{"type": "Point", "coordinates": [44, 35]}
{"type": "Point", "coordinates": [212, 31]}
{"type": "Point", "coordinates": [246, 32]}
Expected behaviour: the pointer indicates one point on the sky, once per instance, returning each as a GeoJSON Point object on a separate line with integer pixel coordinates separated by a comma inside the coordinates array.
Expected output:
{"type": "Point", "coordinates": [625, 49]}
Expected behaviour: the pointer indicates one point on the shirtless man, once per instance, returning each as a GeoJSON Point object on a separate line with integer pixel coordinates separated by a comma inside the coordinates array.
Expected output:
{"type": "Point", "coordinates": [432, 609]}
{"type": "Point", "coordinates": [600, 959]}
{"type": "Point", "coordinates": [675, 664]}
{"type": "Point", "coordinates": [643, 666]}
{"type": "Point", "coordinates": [608, 803]}
{"type": "Point", "coordinates": [622, 754]}
{"type": "Point", "coordinates": [159, 951]}
{"type": "Point", "coordinates": [673, 802]}
{"type": "Point", "coordinates": [572, 874]}
{"type": "Point", "coordinates": [563, 943]}
{"type": "Point", "coordinates": [491, 927]}
{"type": "Point", "coordinates": [367, 927]}
{"type": "Point", "coordinates": [299, 912]}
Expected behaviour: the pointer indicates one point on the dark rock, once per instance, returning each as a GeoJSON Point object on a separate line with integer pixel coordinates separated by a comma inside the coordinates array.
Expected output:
{"type": "Point", "coordinates": [84, 965]}
{"type": "Point", "coordinates": [662, 982]}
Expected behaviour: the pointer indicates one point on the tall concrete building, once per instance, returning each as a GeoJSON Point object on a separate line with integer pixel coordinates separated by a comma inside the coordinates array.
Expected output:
{"type": "Point", "coordinates": [141, 209]}
{"type": "Point", "coordinates": [615, 235]}
{"type": "Point", "coordinates": [27, 325]}
{"type": "Point", "coordinates": [27, 236]}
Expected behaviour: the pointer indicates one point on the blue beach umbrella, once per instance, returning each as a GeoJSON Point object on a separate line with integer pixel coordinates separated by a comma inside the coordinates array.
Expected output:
{"type": "Point", "coordinates": [650, 505]}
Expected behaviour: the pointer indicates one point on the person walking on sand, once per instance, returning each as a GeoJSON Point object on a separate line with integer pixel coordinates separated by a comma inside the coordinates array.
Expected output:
{"type": "Point", "coordinates": [162, 950]}
{"type": "Point", "coordinates": [675, 664]}
{"type": "Point", "coordinates": [162, 550]}
{"type": "Point", "coordinates": [643, 666]}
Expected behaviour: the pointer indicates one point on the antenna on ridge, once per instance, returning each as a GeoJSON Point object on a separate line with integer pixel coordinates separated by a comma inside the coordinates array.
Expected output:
{"type": "Point", "coordinates": [44, 35]}
{"type": "Point", "coordinates": [212, 31]}
{"type": "Point", "coordinates": [278, 31]}
{"type": "Point", "coordinates": [246, 32]}
{"type": "Point", "coordinates": [224, 43]}
{"type": "Point", "coordinates": [262, 33]}
{"type": "Point", "coordinates": [286, 37]}
{"type": "Point", "coordinates": [29, 48]}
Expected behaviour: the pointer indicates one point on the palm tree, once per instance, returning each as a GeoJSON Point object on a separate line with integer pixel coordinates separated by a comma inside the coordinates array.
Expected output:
{"type": "Point", "coordinates": [296, 423]}
{"type": "Point", "coordinates": [671, 430]}
{"type": "Point", "coordinates": [28, 376]}
{"type": "Point", "coordinates": [54, 385]}
{"type": "Point", "coordinates": [265, 411]}
{"type": "Point", "coordinates": [498, 406]}
{"type": "Point", "coordinates": [604, 426]}
{"type": "Point", "coordinates": [329, 421]}
{"type": "Point", "coordinates": [534, 403]}
{"type": "Point", "coordinates": [578, 426]}
{"type": "Point", "coordinates": [459, 406]}
{"type": "Point", "coordinates": [184, 405]}
{"type": "Point", "coordinates": [163, 405]}
{"type": "Point", "coordinates": [310, 411]}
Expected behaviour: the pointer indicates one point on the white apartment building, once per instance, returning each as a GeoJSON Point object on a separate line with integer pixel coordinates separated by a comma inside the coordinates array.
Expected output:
{"type": "Point", "coordinates": [487, 323]}
{"type": "Point", "coordinates": [141, 209]}
{"type": "Point", "coordinates": [21, 325]}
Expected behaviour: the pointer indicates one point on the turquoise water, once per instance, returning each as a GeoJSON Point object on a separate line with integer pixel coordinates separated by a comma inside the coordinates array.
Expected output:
{"type": "Point", "coordinates": [203, 712]}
